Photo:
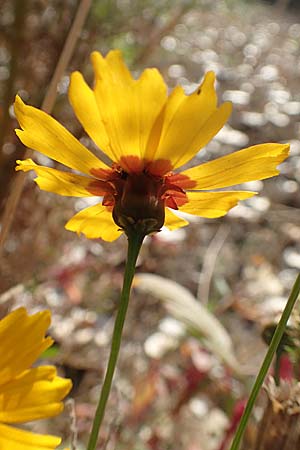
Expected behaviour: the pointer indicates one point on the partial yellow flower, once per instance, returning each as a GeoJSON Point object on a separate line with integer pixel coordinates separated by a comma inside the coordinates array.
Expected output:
{"type": "Point", "coordinates": [148, 135]}
{"type": "Point", "coordinates": [27, 393]}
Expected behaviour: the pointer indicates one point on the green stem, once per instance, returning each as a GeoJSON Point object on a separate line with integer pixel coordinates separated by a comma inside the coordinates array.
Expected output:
{"type": "Point", "coordinates": [135, 241]}
{"type": "Point", "coordinates": [277, 363]}
{"type": "Point", "coordinates": [266, 363]}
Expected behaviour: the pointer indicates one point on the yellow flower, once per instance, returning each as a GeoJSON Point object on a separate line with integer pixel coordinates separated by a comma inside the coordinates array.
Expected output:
{"type": "Point", "coordinates": [26, 393]}
{"type": "Point", "coordinates": [148, 135]}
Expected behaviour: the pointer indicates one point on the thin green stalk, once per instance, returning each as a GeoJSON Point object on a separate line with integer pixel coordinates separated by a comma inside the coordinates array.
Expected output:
{"type": "Point", "coordinates": [266, 363]}
{"type": "Point", "coordinates": [277, 364]}
{"type": "Point", "coordinates": [134, 244]}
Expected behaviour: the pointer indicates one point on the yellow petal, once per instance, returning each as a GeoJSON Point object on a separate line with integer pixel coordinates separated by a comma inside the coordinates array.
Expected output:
{"type": "Point", "coordinates": [94, 222]}
{"type": "Point", "coordinates": [190, 122]}
{"type": "Point", "coordinates": [151, 98]}
{"type": "Point", "coordinates": [43, 133]}
{"type": "Point", "coordinates": [82, 99]}
{"type": "Point", "coordinates": [111, 68]}
{"type": "Point", "coordinates": [34, 394]}
{"type": "Point", "coordinates": [22, 340]}
{"type": "Point", "coordinates": [129, 112]}
{"type": "Point", "coordinates": [172, 221]}
{"type": "Point", "coordinates": [253, 163]}
{"type": "Point", "coordinates": [52, 180]}
{"type": "Point", "coordinates": [213, 204]}
{"type": "Point", "coordinates": [17, 439]}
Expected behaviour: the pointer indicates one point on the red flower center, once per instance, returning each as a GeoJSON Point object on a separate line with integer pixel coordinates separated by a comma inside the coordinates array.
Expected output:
{"type": "Point", "coordinates": [138, 197]}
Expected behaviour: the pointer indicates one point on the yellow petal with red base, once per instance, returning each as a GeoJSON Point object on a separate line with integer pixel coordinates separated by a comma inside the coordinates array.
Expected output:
{"type": "Point", "coordinates": [34, 394]}
{"type": "Point", "coordinates": [147, 135]}
{"type": "Point", "coordinates": [253, 163]}
{"type": "Point", "coordinates": [213, 204]}
{"type": "Point", "coordinates": [22, 340]}
{"type": "Point", "coordinates": [43, 133]}
{"type": "Point", "coordinates": [129, 113]}
{"type": "Point", "coordinates": [17, 439]}
{"type": "Point", "coordinates": [52, 180]}
{"type": "Point", "coordinates": [95, 222]}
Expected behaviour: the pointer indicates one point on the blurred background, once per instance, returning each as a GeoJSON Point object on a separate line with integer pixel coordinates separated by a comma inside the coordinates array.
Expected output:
{"type": "Point", "coordinates": [172, 389]}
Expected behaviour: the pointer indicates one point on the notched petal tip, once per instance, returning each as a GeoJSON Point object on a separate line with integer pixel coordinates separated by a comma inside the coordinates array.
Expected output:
{"type": "Point", "coordinates": [115, 53]}
{"type": "Point", "coordinates": [284, 150]}
{"type": "Point", "coordinates": [111, 54]}
{"type": "Point", "coordinates": [207, 82]}
{"type": "Point", "coordinates": [25, 164]}
{"type": "Point", "coordinates": [44, 315]}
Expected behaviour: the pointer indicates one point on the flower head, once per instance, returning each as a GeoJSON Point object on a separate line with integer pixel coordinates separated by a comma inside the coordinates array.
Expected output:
{"type": "Point", "coordinates": [148, 135]}
{"type": "Point", "coordinates": [27, 393]}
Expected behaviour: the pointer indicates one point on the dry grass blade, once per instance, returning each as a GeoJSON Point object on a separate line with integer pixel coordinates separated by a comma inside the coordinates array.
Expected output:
{"type": "Point", "coordinates": [209, 263]}
{"type": "Point", "coordinates": [197, 319]}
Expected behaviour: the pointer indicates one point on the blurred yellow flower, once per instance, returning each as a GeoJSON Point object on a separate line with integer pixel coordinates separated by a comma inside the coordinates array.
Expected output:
{"type": "Point", "coordinates": [147, 135]}
{"type": "Point", "coordinates": [26, 393]}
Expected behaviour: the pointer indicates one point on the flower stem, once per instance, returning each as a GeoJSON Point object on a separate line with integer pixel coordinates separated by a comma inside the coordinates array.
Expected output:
{"type": "Point", "coordinates": [135, 241]}
{"type": "Point", "coordinates": [266, 363]}
{"type": "Point", "coordinates": [277, 363]}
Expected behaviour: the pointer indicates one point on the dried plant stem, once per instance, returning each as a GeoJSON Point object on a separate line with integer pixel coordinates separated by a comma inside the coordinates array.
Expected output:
{"type": "Point", "coordinates": [134, 244]}
{"type": "Point", "coordinates": [47, 105]}
{"type": "Point", "coordinates": [70, 406]}
{"type": "Point", "coordinates": [209, 263]}
{"type": "Point", "coordinates": [67, 51]}
{"type": "Point", "coordinates": [264, 426]}
{"type": "Point", "coordinates": [20, 9]}
{"type": "Point", "coordinates": [266, 363]}
{"type": "Point", "coordinates": [279, 428]}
